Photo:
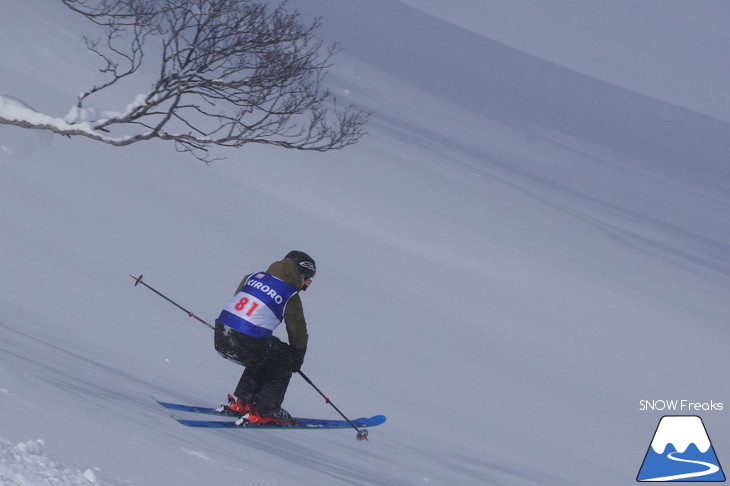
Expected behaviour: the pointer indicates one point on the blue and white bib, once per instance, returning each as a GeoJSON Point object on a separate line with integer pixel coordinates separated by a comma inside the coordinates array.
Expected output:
{"type": "Point", "coordinates": [259, 307]}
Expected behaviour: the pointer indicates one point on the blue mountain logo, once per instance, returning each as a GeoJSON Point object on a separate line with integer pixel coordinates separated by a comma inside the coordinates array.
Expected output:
{"type": "Point", "coordinates": [681, 451]}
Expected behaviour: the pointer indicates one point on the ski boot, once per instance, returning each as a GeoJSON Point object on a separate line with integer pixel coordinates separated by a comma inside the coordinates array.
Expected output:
{"type": "Point", "coordinates": [275, 417]}
{"type": "Point", "coordinates": [235, 406]}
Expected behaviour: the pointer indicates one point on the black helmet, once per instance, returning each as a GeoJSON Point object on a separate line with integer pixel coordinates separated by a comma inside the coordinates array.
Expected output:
{"type": "Point", "coordinates": [306, 265]}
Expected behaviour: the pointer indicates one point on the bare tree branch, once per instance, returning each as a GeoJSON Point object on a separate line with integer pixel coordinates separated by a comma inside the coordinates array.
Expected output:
{"type": "Point", "coordinates": [230, 72]}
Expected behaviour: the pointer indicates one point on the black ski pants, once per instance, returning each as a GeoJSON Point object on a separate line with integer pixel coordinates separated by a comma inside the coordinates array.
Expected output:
{"type": "Point", "coordinates": [268, 365]}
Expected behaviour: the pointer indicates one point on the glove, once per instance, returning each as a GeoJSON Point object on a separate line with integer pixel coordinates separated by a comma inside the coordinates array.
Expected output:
{"type": "Point", "coordinates": [296, 358]}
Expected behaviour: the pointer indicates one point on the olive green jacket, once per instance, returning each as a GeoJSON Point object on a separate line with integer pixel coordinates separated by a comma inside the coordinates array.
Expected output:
{"type": "Point", "coordinates": [296, 326]}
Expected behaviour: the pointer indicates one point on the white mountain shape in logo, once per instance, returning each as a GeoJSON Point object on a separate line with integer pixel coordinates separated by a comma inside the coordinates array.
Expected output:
{"type": "Point", "coordinates": [681, 431]}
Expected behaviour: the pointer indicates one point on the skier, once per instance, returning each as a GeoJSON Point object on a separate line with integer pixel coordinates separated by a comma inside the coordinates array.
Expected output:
{"type": "Point", "coordinates": [243, 334]}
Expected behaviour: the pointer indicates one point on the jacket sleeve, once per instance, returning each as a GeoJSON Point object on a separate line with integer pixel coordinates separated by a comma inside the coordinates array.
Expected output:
{"type": "Point", "coordinates": [296, 326]}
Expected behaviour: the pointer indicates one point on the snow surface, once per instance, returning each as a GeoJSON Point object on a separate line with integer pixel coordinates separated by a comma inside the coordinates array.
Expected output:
{"type": "Point", "coordinates": [533, 238]}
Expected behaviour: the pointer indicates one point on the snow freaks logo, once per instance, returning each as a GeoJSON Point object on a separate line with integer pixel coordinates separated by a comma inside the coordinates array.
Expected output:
{"type": "Point", "coordinates": [680, 451]}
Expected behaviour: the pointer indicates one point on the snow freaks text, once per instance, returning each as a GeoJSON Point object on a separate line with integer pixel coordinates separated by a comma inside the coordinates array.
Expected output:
{"type": "Point", "coordinates": [680, 406]}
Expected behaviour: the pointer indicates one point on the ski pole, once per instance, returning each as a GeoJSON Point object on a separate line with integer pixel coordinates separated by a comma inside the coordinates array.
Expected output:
{"type": "Point", "coordinates": [362, 434]}
{"type": "Point", "coordinates": [139, 281]}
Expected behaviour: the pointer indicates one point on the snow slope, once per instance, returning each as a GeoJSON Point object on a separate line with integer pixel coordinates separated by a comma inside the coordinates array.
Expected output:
{"type": "Point", "coordinates": [531, 240]}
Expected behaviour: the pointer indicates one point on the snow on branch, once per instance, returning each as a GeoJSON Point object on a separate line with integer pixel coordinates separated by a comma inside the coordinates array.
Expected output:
{"type": "Point", "coordinates": [230, 72]}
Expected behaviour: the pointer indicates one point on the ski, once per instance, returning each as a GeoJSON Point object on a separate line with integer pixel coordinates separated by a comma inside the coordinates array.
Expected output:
{"type": "Point", "coordinates": [299, 422]}
{"type": "Point", "coordinates": [193, 409]}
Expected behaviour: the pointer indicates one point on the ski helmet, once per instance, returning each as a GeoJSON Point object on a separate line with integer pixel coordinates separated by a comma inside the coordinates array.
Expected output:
{"type": "Point", "coordinates": [305, 263]}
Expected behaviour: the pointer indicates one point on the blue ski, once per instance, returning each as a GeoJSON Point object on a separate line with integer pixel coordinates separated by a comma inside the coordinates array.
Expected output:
{"type": "Point", "coordinates": [299, 422]}
{"type": "Point", "coordinates": [191, 408]}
